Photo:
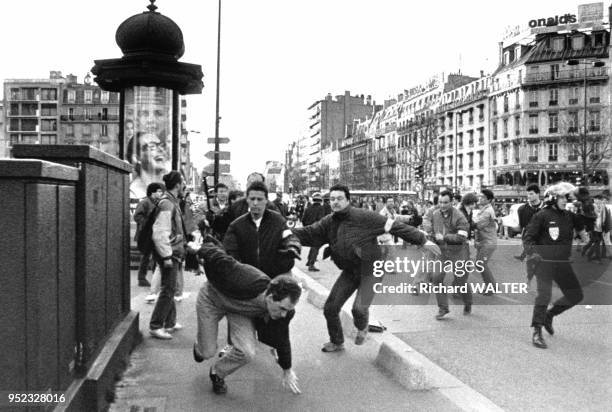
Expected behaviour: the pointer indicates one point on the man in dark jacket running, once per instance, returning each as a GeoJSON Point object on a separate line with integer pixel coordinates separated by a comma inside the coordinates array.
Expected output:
{"type": "Point", "coordinates": [351, 234]}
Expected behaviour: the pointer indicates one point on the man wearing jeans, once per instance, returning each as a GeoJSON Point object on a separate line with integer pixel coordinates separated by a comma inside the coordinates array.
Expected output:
{"type": "Point", "coordinates": [252, 303]}
{"type": "Point", "coordinates": [352, 236]}
{"type": "Point", "coordinates": [486, 235]}
{"type": "Point", "coordinates": [169, 240]}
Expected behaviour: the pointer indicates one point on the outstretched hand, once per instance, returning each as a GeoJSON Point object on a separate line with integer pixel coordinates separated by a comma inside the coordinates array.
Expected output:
{"type": "Point", "coordinates": [290, 381]}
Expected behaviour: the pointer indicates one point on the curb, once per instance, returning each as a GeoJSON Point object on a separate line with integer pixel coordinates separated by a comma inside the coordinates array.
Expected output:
{"type": "Point", "coordinates": [408, 367]}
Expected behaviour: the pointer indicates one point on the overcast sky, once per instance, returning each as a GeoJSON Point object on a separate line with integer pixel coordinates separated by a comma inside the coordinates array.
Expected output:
{"type": "Point", "coordinates": [277, 56]}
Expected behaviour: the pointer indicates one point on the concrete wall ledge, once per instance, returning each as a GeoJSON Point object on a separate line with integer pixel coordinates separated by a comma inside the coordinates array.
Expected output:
{"type": "Point", "coordinates": [95, 391]}
{"type": "Point", "coordinates": [37, 169]}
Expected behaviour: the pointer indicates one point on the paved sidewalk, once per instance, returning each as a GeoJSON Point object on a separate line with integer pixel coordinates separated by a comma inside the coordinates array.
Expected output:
{"type": "Point", "coordinates": [162, 375]}
{"type": "Point", "coordinates": [491, 351]}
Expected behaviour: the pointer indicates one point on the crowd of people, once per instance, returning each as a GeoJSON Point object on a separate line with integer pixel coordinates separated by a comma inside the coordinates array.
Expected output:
{"type": "Point", "coordinates": [245, 248]}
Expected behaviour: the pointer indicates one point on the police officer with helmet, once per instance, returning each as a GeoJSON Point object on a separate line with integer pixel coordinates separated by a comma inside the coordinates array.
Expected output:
{"type": "Point", "coordinates": [548, 245]}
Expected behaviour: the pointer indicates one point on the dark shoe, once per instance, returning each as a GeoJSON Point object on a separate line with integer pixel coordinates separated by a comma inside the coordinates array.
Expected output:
{"type": "Point", "coordinates": [361, 336]}
{"type": "Point", "coordinates": [548, 324]}
{"type": "Point", "coordinates": [219, 386]}
{"type": "Point", "coordinates": [520, 257]}
{"type": "Point", "coordinates": [467, 309]}
{"type": "Point", "coordinates": [143, 282]}
{"type": "Point", "coordinates": [313, 269]}
{"type": "Point", "coordinates": [441, 313]}
{"type": "Point", "coordinates": [537, 339]}
{"type": "Point", "coordinates": [332, 347]}
{"type": "Point", "coordinates": [196, 355]}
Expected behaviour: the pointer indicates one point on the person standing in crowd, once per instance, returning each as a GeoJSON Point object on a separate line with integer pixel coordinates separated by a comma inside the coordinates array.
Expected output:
{"type": "Point", "coordinates": [388, 212]}
{"type": "Point", "coordinates": [456, 200]}
{"type": "Point", "coordinates": [548, 244]}
{"type": "Point", "coordinates": [351, 234]}
{"type": "Point", "coordinates": [253, 304]}
{"type": "Point", "coordinates": [169, 239]}
{"type": "Point", "coordinates": [278, 202]}
{"type": "Point", "coordinates": [525, 213]}
{"type": "Point", "coordinates": [486, 235]}
{"type": "Point", "coordinates": [217, 216]}
{"type": "Point", "coordinates": [241, 206]}
{"type": "Point", "coordinates": [313, 214]}
{"type": "Point", "coordinates": [449, 229]}
{"type": "Point", "coordinates": [467, 206]}
{"type": "Point", "coordinates": [409, 214]}
{"type": "Point", "coordinates": [143, 210]}
{"type": "Point", "coordinates": [255, 238]}
{"type": "Point", "coordinates": [326, 206]}
{"type": "Point", "coordinates": [600, 226]}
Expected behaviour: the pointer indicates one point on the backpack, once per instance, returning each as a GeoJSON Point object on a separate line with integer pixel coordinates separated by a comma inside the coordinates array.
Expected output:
{"type": "Point", "coordinates": [144, 241]}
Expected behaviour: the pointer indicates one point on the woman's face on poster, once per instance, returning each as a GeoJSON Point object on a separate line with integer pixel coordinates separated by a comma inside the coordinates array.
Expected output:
{"type": "Point", "coordinates": [153, 154]}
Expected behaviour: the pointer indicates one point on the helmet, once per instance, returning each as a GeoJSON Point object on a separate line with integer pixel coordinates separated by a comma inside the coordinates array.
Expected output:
{"type": "Point", "coordinates": [560, 189]}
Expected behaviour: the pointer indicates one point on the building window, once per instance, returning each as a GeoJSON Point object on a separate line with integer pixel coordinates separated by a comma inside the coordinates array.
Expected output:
{"type": "Point", "coordinates": [533, 124]}
{"type": "Point", "coordinates": [506, 103]}
{"type": "Point", "coordinates": [104, 97]}
{"type": "Point", "coordinates": [594, 121]}
{"type": "Point", "coordinates": [494, 105]}
{"type": "Point", "coordinates": [494, 155]}
{"type": "Point", "coordinates": [15, 94]}
{"type": "Point", "coordinates": [594, 94]}
{"type": "Point", "coordinates": [573, 152]}
{"type": "Point", "coordinates": [533, 152]}
{"type": "Point", "coordinates": [48, 125]}
{"type": "Point", "coordinates": [517, 125]}
{"type": "Point", "coordinates": [48, 110]}
{"type": "Point", "coordinates": [577, 42]}
{"type": "Point", "coordinates": [553, 122]}
{"type": "Point", "coordinates": [554, 97]}
{"type": "Point", "coordinates": [553, 151]}
{"type": "Point", "coordinates": [572, 122]}
{"type": "Point", "coordinates": [557, 44]}
{"type": "Point", "coordinates": [505, 128]}
{"type": "Point", "coordinates": [48, 94]}
{"type": "Point", "coordinates": [494, 127]}
{"type": "Point", "coordinates": [554, 71]}
{"type": "Point", "coordinates": [517, 100]}
{"type": "Point", "coordinates": [505, 154]}
{"type": "Point", "coordinates": [88, 96]}
{"type": "Point", "coordinates": [48, 139]}
{"type": "Point", "coordinates": [533, 98]}
{"type": "Point", "coordinates": [69, 130]}
{"type": "Point", "coordinates": [104, 131]}
{"type": "Point", "coordinates": [573, 95]}
{"type": "Point", "coordinates": [71, 96]}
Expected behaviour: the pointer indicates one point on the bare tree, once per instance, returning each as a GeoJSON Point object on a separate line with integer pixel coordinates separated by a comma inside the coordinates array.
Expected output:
{"type": "Point", "coordinates": [422, 147]}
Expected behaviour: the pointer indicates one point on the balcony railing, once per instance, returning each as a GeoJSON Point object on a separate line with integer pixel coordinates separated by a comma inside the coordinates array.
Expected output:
{"type": "Point", "coordinates": [565, 75]}
{"type": "Point", "coordinates": [471, 166]}
{"type": "Point", "coordinates": [553, 130]}
{"type": "Point", "coordinates": [593, 128]}
{"type": "Point", "coordinates": [572, 129]}
{"type": "Point", "coordinates": [533, 104]}
{"type": "Point", "coordinates": [471, 143]}
{"type": "Point", "coordinates": [573, 101]}
{"type": "Point", "coordinates": [480, 142]}
{"type": "Point", "coordinates": [480, 165]}
{"type": "Point", "coordinates": [533, 131]}
{"type": "Point", "coordinates": [553, 102]}
{"type": "Point", "coordinates": [552, 158]}
{"type": "Point", "coordinates": [481, 118]}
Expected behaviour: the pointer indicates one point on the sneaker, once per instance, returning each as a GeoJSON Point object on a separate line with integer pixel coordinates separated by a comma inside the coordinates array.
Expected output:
{"type": "Point", "coordinates": [225, 349]}
{"type": "Point", "coordinates": [197, 356]}
{"type": "Point", "coordinates": [160, 334]}
{"type": "Point", "coordinates": [332, 347]}
{"type": "Point", "coordinates": [177, 326]}
{"type": "Point", "coordinates": [151, 298]}
{"type": "Point", "coordinates": [219, 386]}
{"type": "Point", "coordinates": [519, 257]}
{"type": "Point", "coordinates": [441, 313]}
{"type": "Point", "coordinates": [361, 336]}
{"type": "Point", "coordinates": [144, 283]}
{"type": "Point", "coordinates": [313, 269]}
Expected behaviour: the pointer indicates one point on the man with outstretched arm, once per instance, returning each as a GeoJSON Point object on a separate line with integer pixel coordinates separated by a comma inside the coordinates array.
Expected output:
{"type": "Point", "coordinates": [253, 305]}
{"type": "Point", "coordinates": [352, 236]}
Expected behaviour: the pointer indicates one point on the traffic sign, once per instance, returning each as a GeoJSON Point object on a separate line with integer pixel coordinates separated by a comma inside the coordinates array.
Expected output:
{"type": "Point", "coordinates": [222, 140]}
{"type": "Point", "coordinates": [223, 168]}
{"type": "Point", "coordinates": [222, 155]}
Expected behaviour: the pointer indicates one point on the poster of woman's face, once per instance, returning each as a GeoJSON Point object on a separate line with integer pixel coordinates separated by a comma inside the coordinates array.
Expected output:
{"type": "Point", "coordinates": [147, 134]}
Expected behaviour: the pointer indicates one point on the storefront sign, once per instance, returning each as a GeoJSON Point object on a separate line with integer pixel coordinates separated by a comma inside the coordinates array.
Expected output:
{"type": "Point", "coordinates": [553, 21]}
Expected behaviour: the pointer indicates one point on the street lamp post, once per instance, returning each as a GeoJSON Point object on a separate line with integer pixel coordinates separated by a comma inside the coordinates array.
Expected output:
{"type": "Point", "coordinates": [594, 63]}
